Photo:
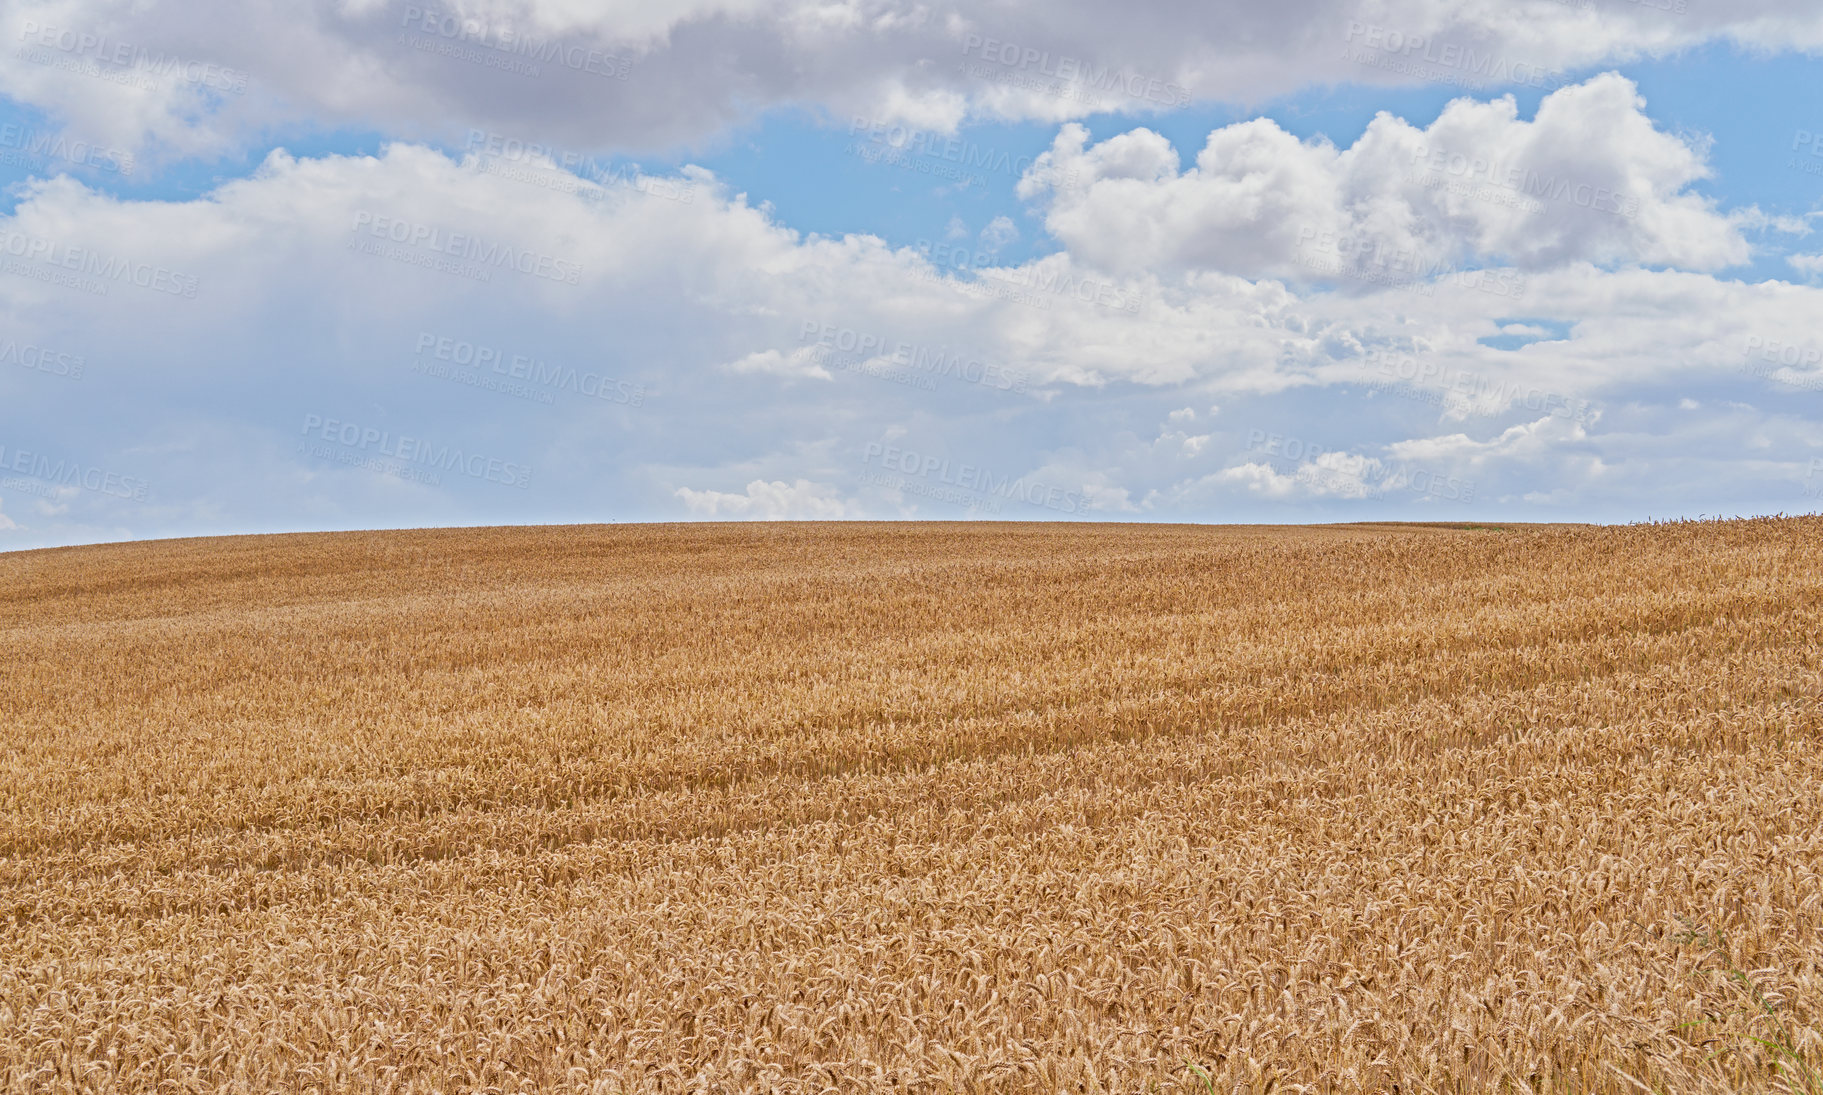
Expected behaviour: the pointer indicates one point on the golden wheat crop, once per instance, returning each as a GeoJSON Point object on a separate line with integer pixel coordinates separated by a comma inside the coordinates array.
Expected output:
{"type": "Point", "coordinates": [934, 808]}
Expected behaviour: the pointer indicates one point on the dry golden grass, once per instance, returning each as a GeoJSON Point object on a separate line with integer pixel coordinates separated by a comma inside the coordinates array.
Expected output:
{"type": "Point", "coordinates": [916, 807]}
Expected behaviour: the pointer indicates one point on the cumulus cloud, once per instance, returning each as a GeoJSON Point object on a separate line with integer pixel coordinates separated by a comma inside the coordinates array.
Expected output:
{"type": "Point", "coordinates": [999, 232]}
{"type": "Point", "coordinates": [1526, 438]}
{"type": "Point", "coordinates": [328, 320]}
{"type": "Point", "coordinates": [763, 501]}
{"type": "Point", "coordinates": [1809, 265]}
{"type": "Point", "coordinates": [1478, 185]}
{"type": "Point", "coordinates": [211, 74]}
{"type": "Point", "coordinates": [1328, 475]}
{"type": "Point", "coordinates": [630, 353]}
{"type": "Point", "coordinates": [802, 362]}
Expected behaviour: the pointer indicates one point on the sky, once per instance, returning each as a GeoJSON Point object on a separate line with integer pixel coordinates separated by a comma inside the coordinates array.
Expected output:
{"type": "Point", "coordinates": [281, 265]}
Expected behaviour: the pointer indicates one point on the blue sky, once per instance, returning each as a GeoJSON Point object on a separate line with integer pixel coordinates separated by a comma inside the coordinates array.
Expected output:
{"type": "Point", "coordinates": [781, 260]}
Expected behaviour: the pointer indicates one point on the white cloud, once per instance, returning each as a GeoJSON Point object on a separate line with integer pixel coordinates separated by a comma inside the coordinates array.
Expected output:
{"type": "Point", "coordinates": [645, 74]}
{"type": "Point", "coordinates": [1478, 185]}
{"type": "Point", "coordinates": [1327, 475]}
{"type": "Point", "coordinates": [715, 314]}
{"type": "Point", "coordinates": [999, 232]}
{"type": "Point", "coordinates": [798, 363]}
{"type": "Point", "coordinates": [1528, 438]}
{"type": "Point", "coordinates": [763, 501]}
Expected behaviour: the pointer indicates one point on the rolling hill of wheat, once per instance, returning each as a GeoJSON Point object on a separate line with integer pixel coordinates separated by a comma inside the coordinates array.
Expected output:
{"type": "Point", "coordinates": [916, 807]}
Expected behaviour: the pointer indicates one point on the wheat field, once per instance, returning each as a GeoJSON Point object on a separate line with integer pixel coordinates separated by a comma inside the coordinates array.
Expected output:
{"type": "Point", "coordinates": [917, 807]}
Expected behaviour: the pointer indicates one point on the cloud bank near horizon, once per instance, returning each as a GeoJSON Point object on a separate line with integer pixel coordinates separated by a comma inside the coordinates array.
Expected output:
{"type": "Point", "coordinates": [1537, 313]}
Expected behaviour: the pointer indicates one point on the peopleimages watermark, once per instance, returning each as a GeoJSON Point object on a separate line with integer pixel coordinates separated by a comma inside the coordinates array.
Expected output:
{"type": "Point", "coordinates": [23, 146]}
{"type": "Point", "coordinates": [897, 360]}
{"type": "Point", "coordinates": [966, 485]}
{"type": "Point", "coordinates": [53, 477]}
{"type": "Point", "coordinates": [1418, 56]}
{"type": "Point", "coordinates": [929, 152]}
{"type": "Point", "coordinates": [1457, 389]}
{"type": "Point", "coordinates": [518, 375]}
{"type": "Point", "coordinates": [1487, 179]}
{"type": "Point", "coordinates": [1808, 149]}
{"type": "Point", "coordinates": [1369, 260]}
{"type": "Point", "coordinates": [459, 253]}
{"type": "Point", "coordinates": [1022, 284]}
{"type": "Point", "coordinates": [1776, 360]}
{"type": "Point", "coordinates": [56, 263]}
{"type": "Point", "coordinates": [421, 461]}
{"type": "Point", "coordinates": [1305, 458]}
{"type": "Point", "coordinates": [121, 62]}
{"type": "Point", "coordinates": [569, 172]}
{"type": "Point", "coordinates": [1061, 76]}
{"type": "Point", "coordinates": [501, 47]}
{"type": "Point", "coordinates": [41, 359]}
